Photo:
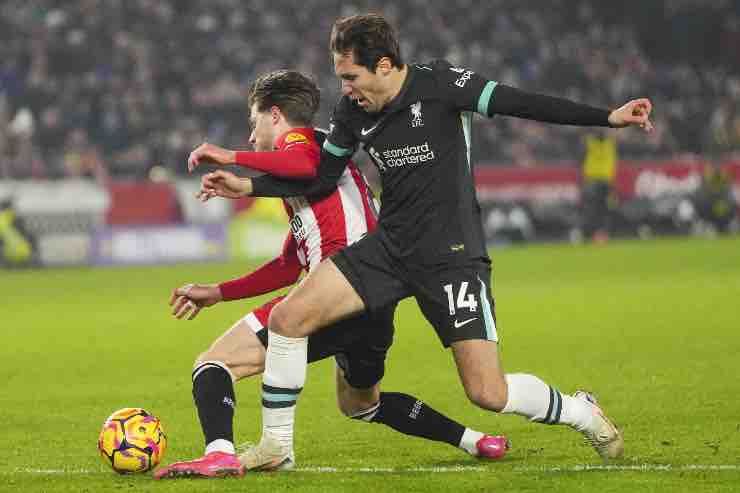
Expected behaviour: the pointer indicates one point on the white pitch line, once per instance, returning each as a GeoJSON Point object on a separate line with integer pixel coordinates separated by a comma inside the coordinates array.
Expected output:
{"type": "Point", "coordinates": [630, 468]}
{"type": "Point", "coordinates": [647, 468]}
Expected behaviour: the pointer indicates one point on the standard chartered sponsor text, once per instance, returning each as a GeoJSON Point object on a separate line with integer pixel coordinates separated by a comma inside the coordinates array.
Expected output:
{"type": "Point", "coordinates": [408, 155]}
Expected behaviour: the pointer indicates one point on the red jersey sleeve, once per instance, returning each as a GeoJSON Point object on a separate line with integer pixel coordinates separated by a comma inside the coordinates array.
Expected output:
{"type": "Point", "coordinates": [278, 273]}
{"type": "Point", "coordinates": [297, 156]}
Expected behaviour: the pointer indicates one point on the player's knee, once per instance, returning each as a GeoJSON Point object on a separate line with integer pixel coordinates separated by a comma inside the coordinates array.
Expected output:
{"type": "Point", "coordinates": [490, 397]}
{"type": "Point", "coordinates": [287, 321]}
{"type": "Point", "coordinates": [205, 356]}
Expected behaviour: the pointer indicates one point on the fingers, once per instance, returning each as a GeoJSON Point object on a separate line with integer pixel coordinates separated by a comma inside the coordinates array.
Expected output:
{"type": "Point", "coordinates": [195, 313]}
{"type": "Point", "coordinates": [194, 157]}
{"type": "Point", "coordinates": [181, 291]}
{"type": "Point", "coordinates": [183, 307]}
{"type": "Point", "coordinates": [206, 195]}
{"type": "Point", "coordinates": [180, 306]}
{"type": "Point", "coordinates": [641, 109]}
{"type": "Point", "coordinates": [200, 153]}
{"type": "Point", "coordinates": [637, 112]}
{"type": "Point", "coordinates": [193, 161]}
{"type": "Point", "coordinates": [644, 103]}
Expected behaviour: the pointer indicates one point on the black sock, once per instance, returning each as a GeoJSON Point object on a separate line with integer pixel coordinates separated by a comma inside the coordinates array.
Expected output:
{"type": "Point", "coordinates": [213, 392]}
{"type": "Point", "coordinates": [410, 416]}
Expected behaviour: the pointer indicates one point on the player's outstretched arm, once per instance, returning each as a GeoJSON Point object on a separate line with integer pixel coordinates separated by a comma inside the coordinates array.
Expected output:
{"type": "Point", "coordinates": [297, 162]}
{"type": "Point", "coordinates": [278, 273]}
{"type": "Point", "coordinates": [509, 101]}
{"type": "Point", "coordinates": [331, 167]}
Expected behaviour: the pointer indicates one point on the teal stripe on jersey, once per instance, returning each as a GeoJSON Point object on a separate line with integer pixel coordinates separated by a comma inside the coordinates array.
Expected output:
{"type": "Point", "coordinates": [485, 97]}
{"type": "Point", "coordinates": [269, 396]}
{"type": "Point", "coordinates": [336, 150]}
{"type": "Point", "coordinates": [491, 334]}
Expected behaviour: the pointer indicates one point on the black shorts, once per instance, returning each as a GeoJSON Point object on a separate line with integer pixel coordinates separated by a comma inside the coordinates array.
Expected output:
{"type": "Point", "coordinates": [359, 344]}
{"type": "Point", "coordinates": [454, 297]}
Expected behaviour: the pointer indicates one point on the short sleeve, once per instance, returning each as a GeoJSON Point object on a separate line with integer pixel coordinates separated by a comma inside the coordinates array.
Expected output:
{"type": "Point", "coordinates": [463, 88]}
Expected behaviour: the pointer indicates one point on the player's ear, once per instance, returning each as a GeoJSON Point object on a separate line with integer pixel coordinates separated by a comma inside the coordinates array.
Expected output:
{"type": "Point", "coordinates": [275, 115]}
{"type": "Point", "coordinates": [384, 66]}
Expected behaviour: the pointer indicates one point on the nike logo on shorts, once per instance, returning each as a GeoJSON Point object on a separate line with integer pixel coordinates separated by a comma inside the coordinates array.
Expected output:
{"type": "Point", "coordinates": [464, 322]}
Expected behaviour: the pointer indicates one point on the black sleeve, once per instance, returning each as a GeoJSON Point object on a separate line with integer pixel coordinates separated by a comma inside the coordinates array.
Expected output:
{"type": "Point", "coordinates": [509, 101]}
{"type": "Point", "coordinates": [330, 169]}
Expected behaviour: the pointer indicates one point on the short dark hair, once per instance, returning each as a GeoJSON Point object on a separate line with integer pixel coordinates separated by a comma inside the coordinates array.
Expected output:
{"type": "Point", "coordinates": [295, 94]}
{"type": "Point", "coordinates": [368, 37]}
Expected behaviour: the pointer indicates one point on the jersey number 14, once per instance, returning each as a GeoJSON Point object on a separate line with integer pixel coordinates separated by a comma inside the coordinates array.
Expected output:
{"type": "Point", "coordinates": [464, 300]}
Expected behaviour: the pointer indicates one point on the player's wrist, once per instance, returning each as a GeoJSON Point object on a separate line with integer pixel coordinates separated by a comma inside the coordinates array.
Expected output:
{"type": "Point", "coordinates": [614, 120]}
{"type": "Point", "coordinates": [246, 187]}
{"type": "Point", "coordinates": [217, 294]}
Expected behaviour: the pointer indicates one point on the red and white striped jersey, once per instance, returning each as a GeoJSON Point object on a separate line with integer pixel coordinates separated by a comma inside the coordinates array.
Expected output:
{"type": "Point", "coordinates": [324, 225]}
{"type": "Point", "coordinates": [319, 226]}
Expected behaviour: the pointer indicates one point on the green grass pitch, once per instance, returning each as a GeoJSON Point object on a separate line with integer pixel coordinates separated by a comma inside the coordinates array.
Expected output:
{"type": "Point", "coordinates": [653, 328]}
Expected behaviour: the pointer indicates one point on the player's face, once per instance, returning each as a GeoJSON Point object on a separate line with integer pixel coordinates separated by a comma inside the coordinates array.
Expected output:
{"type": "Point", "coordinates": [263, 135]}
{"type": "Point", "coordinates": [359, 83]}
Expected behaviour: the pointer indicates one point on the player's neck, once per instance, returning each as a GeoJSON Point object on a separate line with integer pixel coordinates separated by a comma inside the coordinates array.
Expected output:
{"type": "Point", "coordinates": [280, 129]}
{"type": "Point", "coordinates": [397, 78]}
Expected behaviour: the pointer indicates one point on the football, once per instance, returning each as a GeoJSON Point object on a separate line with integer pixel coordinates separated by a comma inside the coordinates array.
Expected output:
{"type": "Point", "coordinates": [132, 440]}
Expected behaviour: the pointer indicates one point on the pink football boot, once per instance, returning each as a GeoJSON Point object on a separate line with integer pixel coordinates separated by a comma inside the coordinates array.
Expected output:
{"type": "Point", "coordinates": [490, 447]}
{"type": "Point", "coordinates": [213, 465]}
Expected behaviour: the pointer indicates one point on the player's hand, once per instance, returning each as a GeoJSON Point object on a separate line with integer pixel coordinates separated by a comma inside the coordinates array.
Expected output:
{"type": "Point", "coordinates": [223, 184]}
{"type": "Point", "coordinates": [212, 154]}
{"type": "Point", "coordinates": [635, 112]}
{"type": "Point", "coordinates": [190, 299]}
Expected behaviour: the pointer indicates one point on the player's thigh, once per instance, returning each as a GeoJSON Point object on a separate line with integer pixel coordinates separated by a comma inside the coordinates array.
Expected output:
{"type": "Point", "coordinates": [457, 301]}
{"type": "Point", "coordinates": [324, 296]}
{"type": "Point", "coordinates": [239, 349]}
{"type": "Point", "coordinates": [242, 347]}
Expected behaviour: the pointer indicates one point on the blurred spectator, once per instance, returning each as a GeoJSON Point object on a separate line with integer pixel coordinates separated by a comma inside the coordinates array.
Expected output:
{"type": "Point", "coordinates": [597, 184]}
{"type": "Point", "coordinates": [82, 158]}
{"type": "Point", "coordinates": [714, 201]}
{"type": "Point", "coordinates": [146, 80]}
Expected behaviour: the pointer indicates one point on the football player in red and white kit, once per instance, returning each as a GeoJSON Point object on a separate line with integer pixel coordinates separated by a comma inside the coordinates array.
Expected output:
{"type": "Point", "coordinates": [283, 105]}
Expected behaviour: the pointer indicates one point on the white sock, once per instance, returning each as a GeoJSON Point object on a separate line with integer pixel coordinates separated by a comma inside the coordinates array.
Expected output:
{"type": "Point", "coordinates": [535, 400]}
{"type": "Point", "coordinates": [220, 445]}
{"type": "Point", "coordinates": [283, 379]}
{"type": "Point", "coordinates": [468, 441]}
{"type": "Point", "coordinates": [278, 425]}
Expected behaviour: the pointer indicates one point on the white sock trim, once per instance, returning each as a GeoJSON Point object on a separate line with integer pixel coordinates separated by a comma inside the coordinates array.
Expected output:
{"type": "Point", "coordinates": [220, 445]}
{"type": "Point", "coordinates": [469, 440]}
{"type": "Point", "coordinates": [253, 322]}
{"type": "Point", "coordinates": [366, 414]}
{"type": "Point", "coordinates": [201, 366]}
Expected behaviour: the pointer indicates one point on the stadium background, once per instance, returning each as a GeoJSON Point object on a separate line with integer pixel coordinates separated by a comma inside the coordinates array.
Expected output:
{"type": "Point", "coordinates": [100, 103]}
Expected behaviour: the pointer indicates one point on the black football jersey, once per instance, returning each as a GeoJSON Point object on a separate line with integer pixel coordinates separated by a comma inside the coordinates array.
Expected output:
{"type": "Point", "coordinates": [421, 145]}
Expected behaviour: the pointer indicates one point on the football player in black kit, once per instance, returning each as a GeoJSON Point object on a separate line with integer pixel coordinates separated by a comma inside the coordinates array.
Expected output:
{"type": "Point", "coordinates": [414, 121]}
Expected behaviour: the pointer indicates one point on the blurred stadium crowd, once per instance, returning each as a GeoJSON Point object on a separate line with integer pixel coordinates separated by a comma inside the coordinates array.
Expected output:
{"type": "Point", "coordinates": [113, 87]}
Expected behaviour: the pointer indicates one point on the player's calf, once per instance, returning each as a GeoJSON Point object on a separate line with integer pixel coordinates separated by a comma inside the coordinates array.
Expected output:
{"type": "Point", "coordinates": [409, 415]}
